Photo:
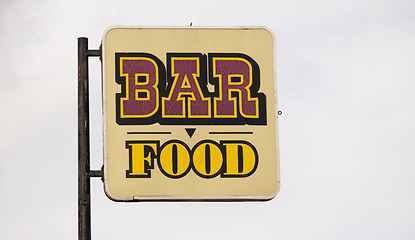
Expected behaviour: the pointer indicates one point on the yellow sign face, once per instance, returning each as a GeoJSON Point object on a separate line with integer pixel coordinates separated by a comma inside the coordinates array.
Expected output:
{"type": "Point", "coordinates": [189, 114]}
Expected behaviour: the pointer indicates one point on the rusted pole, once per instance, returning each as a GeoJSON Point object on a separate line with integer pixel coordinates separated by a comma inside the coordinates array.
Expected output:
{"type": "Point", "coordinates": [84, 202]}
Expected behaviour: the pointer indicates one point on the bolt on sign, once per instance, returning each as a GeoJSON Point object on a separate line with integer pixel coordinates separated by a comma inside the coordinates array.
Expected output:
{"type": "Point", "coordinates": [189, 114]}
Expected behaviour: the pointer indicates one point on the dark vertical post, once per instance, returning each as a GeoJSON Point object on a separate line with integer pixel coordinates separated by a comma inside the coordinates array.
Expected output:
{"type": "Point", "coordinates": [84, 205]}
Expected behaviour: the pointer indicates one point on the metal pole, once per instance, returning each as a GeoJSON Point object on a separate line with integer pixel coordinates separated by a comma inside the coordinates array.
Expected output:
{"type": "Point", "coordinates": [84, 203]}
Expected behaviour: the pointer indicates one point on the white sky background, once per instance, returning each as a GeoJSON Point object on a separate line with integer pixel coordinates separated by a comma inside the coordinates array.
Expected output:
{"type": "Point", "coordinates": [346, 85]}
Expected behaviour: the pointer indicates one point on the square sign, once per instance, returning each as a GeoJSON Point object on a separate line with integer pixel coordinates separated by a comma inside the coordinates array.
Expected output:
{"type": "Point", "coordinates": [189, 114]}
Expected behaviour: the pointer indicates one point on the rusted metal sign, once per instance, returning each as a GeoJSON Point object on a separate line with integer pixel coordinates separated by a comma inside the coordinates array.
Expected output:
{"type": "Point", "coordinates": [189, 114]}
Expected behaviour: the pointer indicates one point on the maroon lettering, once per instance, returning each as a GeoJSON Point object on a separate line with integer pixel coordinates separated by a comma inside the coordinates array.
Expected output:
{"type": "Point", "coordinates": [185, 71]}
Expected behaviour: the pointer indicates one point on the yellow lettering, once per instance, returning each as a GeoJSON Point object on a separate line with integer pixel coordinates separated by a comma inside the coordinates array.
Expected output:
{"type": "Point", "coordinates": [142, 156]}
{"type": "Point", "coordinates": [174, 160]}
{"type": "Point", "coordinates": [241, 159]}
{"type": "Point", "coordinates": [207, 159]}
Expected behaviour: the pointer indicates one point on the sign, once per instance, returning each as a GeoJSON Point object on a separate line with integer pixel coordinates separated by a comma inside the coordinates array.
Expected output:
{"type": "Point", "coordinates": [189, 114]}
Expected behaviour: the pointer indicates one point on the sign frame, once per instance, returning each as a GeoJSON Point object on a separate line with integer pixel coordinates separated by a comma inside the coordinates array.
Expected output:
{"type": "Point", "coordinates": [216, 198]}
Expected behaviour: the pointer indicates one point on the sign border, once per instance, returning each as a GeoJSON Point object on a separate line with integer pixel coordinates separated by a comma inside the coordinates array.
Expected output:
{"type": "Point", "coordinates": [185, 198]}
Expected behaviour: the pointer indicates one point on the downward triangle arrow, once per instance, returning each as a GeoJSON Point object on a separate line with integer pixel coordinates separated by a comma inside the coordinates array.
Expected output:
{"type": "Point", "coordinates": [190, 131]}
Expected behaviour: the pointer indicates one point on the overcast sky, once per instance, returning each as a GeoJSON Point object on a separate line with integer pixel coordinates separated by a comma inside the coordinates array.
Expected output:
{"type": "Point", "coordinates": [346, 84]}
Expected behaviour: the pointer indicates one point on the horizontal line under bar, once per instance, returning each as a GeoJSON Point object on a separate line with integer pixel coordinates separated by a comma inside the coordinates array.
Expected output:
{"type": "Point", "coordinates": [230, 132]}
{"type": "Point", "coordinates": [148, 132]}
